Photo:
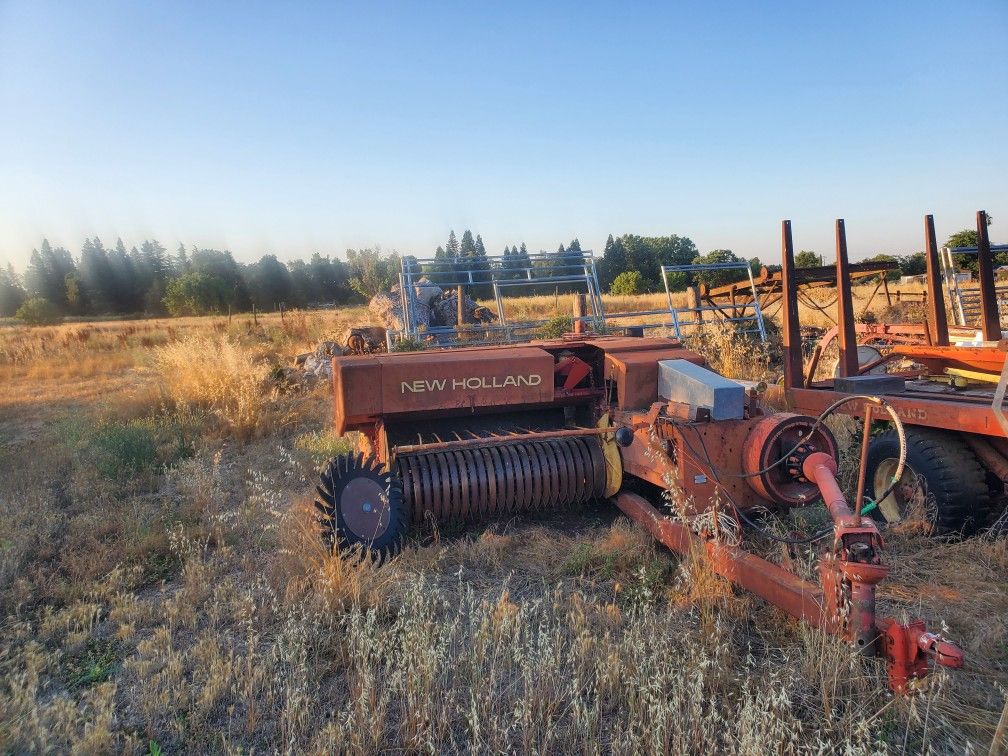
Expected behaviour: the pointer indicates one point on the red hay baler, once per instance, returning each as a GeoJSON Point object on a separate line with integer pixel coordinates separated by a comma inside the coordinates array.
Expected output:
{"type": "Point", "coordinates": [471, 434]}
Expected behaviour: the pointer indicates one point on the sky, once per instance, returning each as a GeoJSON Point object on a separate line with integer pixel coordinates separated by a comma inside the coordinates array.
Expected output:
{"type": "Point", "coordinates": [290, 128]}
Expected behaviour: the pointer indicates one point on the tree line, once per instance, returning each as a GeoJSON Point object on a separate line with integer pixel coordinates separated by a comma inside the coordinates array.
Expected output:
{"type": "Point", "coordinates": [148, 279]}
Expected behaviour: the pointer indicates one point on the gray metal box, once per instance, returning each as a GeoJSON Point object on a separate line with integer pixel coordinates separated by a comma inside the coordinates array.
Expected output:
{"type": "Point", "coordinates": [682, 381]}
{"type": "Point", "coordinates": [870, 384]}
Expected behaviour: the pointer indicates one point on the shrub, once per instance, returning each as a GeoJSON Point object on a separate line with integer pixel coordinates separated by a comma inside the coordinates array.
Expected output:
{"type": "Point", "coordinates": [556, 327]}
{"type": "Point", "coordinates": [122, 450]}
{"type": "Point", "coordinates": [408, 345]}
{"type": "Point", "coordinates": [218, 375]}
{"type": "Point", "coordinates": [38, 311]}
{"type": "Point", "coordinates": [323, 445]}
{"type": "Point", "coordinates": [627, 283]}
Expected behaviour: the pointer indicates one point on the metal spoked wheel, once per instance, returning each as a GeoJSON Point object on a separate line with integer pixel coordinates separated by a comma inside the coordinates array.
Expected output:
{"type": "Point", "coordinates": [361, 505]}
{"type": "Point", "coordinates": [942, 484]}
{"type": "Point", "coordinates": [909, 499]}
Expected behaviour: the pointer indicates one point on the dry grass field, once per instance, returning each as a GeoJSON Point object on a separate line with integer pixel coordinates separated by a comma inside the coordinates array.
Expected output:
{"type": "Point", "coordinates": [162, 589]}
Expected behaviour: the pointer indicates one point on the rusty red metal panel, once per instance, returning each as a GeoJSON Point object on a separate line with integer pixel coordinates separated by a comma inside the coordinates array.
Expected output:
{"type": "Point", "coordinates": [611, 344]}
{"type": "Point", "coordinates": [355, 400]}
{"type": "Point", "coordinates": [937, 319]}
{"type": "Point", "coordinates": [937, 358]}
{"type": "Point", "coordinates": [959, 414]}
{"type": "Point", "coordinates": [636, 372]}
{"type": "Point", "coordinates": [465, 380]}
{"type": "Point", "coordinates": [789, 311]}
{"type": "Point", "coordinates": [845, 305]}
{"type": "Point", "coordinates": [990, 319]}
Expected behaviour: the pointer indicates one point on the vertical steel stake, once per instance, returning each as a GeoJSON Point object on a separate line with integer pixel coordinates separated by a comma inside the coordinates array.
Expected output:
{"type": "Point", "coordinates": [937, 321]}
{"type": "Point", "coordinates": [793, 377]}
{"type": "Point", "coordinates": [845, 306]}
{"type": "Point", "coordinates": [990, 318]}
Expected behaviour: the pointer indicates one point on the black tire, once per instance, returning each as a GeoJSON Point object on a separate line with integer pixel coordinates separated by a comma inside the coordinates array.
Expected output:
{"type": "Point", "coordinates": [361, 505]}
{"type": "Point", "coordinates": [953, 494]}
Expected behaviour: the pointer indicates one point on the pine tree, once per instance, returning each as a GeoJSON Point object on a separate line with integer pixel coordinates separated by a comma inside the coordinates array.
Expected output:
{"type": "Point", "coordinates": [467, 248]}
{"type": "Point", "coordinates": [614, 262]}
{"type": "Point", "coordinates": [181, 261]}
{"type": "Point", "coordinates": [12, 293]}
{"type": "Point", "coordinates": [46, 274]}
{"type": "Point", "coordinates": [452, 247]}
{"type": "Point", "coordinates": [475, 260]}
{"type": "Point", "coordinates": [523, 259]}
{"type": "Point", "coordinates": [97, 276]}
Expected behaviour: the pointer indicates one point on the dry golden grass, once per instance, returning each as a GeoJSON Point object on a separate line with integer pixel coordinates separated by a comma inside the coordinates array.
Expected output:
{"type": "Point", "coordinates": [219, 375]}
{"type": "Point", "coordinates": [187, 604]}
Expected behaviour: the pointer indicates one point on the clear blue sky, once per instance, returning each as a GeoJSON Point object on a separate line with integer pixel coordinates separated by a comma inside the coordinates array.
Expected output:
{"type": "Point", "coordinates": [290, 128]}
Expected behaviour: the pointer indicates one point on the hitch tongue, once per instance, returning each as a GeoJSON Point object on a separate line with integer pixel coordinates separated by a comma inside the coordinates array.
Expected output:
{"type": "Point", "coordinates": [944, 652]}
{"type": "Point", "coordinates": [908, 648]}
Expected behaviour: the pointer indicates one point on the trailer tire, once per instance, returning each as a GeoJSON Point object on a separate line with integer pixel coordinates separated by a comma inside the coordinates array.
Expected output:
{"type": "Point", "coordinates": [942, 483]}
{"type": "Point", "coordinates": [361, 506]}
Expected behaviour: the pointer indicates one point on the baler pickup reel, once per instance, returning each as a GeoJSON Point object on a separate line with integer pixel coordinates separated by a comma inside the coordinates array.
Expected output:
{"type": "Point", "coordinates": [478, 433]}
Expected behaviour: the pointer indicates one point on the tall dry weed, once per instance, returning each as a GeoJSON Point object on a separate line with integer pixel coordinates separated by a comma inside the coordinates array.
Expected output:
{"type": "Point", "coordinates": [731, 353]}
{"type": "Point", "coordinates": [221, 376]}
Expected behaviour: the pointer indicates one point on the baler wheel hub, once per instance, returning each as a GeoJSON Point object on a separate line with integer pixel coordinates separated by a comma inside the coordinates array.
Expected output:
{"type": "Point", "coordinates": [361, 505]}
{"type": "Point", "coordinates": [781, 478]}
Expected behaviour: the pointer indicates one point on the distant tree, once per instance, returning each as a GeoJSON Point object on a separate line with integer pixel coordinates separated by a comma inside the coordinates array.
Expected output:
{"type": "Point", "coordinates": [480, 248]}
{"type": "Point", "coordinates": [38, 311]}
{"type": "Point", "coordinates": [513, 265]}
{"type": "Point", "coordinates": [330, 280]}
{"type": "Point", "coordinates": [473, 258]}
{"type": "Point", "coordinates": [806, 258]}
{"type": "Point", "coordinates": [127, 291]}
{"type": "Point", "coordinates": [372, 272]}
{"type": "Point", "coordinates": [522, 256]}
{"type": "Point", "coordinates": [442, 262]}
{"type": "Point", "coordinates": [46, 274]}
{"type": "Point", "coordinates": [467, 247]}
{"type": "Point", "coordinates": [913, 265]}
{"type": "Point", "coordinates": [12, 293]}
{"type": "Point", "coordinates": [452, 247]}
{"type": "Point", "coordinates": [965, 238]}
{"type": "Point", "coordinates": [155, 257]}
{"type": "Point", "coordinates": [196, 294]}
{"type": "Point", "coordinates": [302, 292]}
{"type": "Point", "coordinates": [181, 263]}
{"type": "Point", "coordinates": [714, 278]}
{"type": "Point", "coordinates": [882, 257]}
{"type": "Point", "coordinates": [220, 265]}
{"type": "Point", "coordinates": [646, 255]}
{"type": "Point", "coordinates": [77, 302]}
{"type": "Point", "coordinates": [97, 276]}
{"type": "Point", "coordinates": [627, 283]}
{"type": "Point", "coordinates": [613, 261]}
{"type": "Point", "coordinates": [153, 298]}
{"type": "Point", "coordinates": [269, 283]}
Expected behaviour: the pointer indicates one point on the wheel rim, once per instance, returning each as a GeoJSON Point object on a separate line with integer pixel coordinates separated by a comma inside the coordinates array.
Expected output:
{"type": "Point", "coordinates": [365, 508]}
{"type": "Point", "coordinates": [909, 498]}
